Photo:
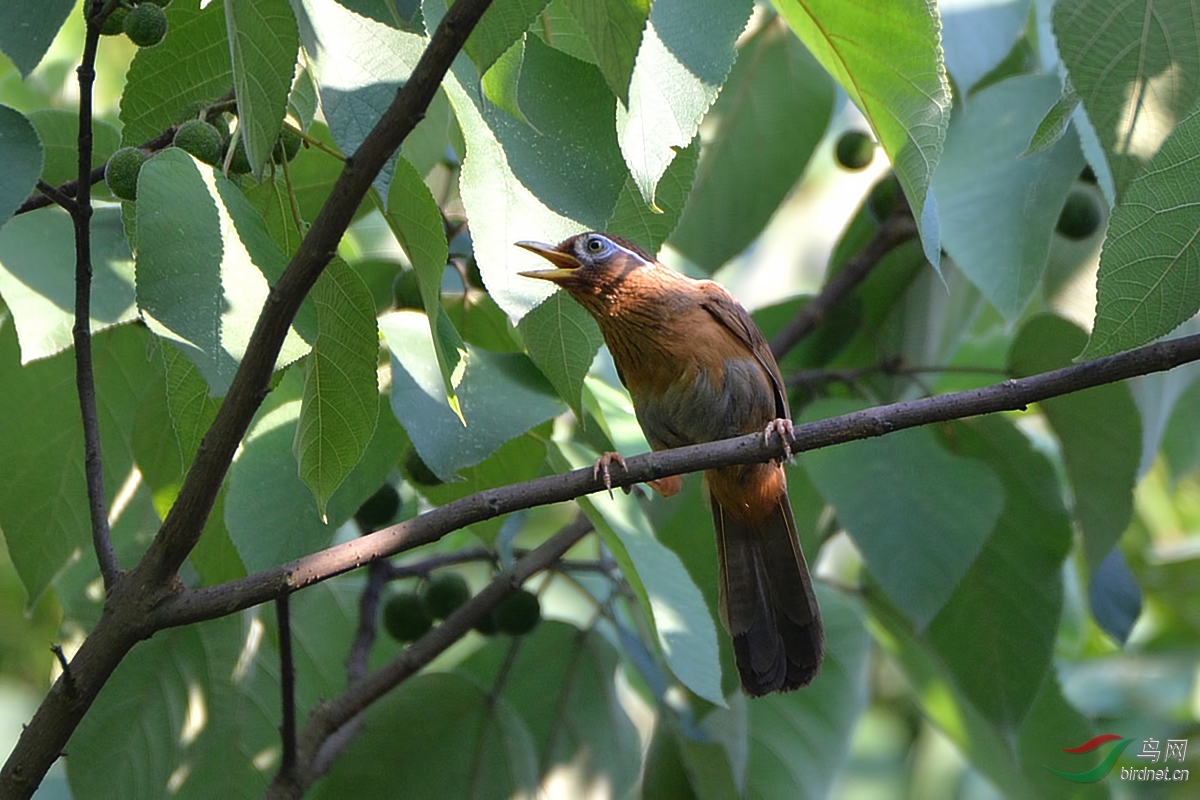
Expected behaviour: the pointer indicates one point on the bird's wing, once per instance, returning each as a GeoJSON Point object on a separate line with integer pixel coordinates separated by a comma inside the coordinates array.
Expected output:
{"type": "Point", "coordinates": [718, 302]}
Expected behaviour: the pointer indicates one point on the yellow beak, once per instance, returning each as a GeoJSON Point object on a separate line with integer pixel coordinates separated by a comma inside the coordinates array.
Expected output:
{"type": "Point", "coordinates": [565, 264]}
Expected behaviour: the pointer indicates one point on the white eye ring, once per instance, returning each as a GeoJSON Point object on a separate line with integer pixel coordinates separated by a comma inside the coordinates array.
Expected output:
{"type": "Point", "coordinates": [595, 244]}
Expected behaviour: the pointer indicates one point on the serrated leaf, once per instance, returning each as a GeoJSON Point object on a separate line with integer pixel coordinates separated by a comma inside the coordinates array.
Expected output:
{"type": "Point", "coordinates": [769, 118]}
{"type": "Point", "coordinates": [263, 43]}
{"type": "Point", "coordinates": [37, 277]}
{"type": "Point", "coordinates": [171, 81]}
{"type": "Point", "coordinates": [562, 339]}
{"type": "Point", "coordinates": [1055, 123]}
{"type": "Point", "coordinates": [889, 61]}
{"type": "Point", "coordinates": [502, 24]}
{"type": "Point", "coordinates": [998, 210]}
{"type": "Point", "coordinates": [340, 403]}
{"type": "Point", "coordinates": [456, 716]}
{"type": "Point", "coordinates": [502, 80]}
{"type": "Point", "coordinates": [1149, 279]}
{"type": "Point", "coordinates": [919, 514]}
{"type": "Point", "coordinates": [639, 223]}
{"type": "Point", "coordinates": [1136, 67]}
{"type": "Point", "coordinates": [502, 395]}
{"type": "Point", "coordinates": [358, 65]}
{"type": "Point", "coordinates": [414, 217]}
{"type": "Point", "coordinates": [679, 70]}
{"type": "Point", "coordinates": [613, 29]}
{"type": "Point", "coordinates": [22, 162]}
{"type": "Point", "coordinates": [683, 626]}
{"type": "Point", "coordinates": [28, 27]}
{"type": "Point", "coordinates": [1101, 459]}
{"type": "Point", "coordinates": [197, 281]}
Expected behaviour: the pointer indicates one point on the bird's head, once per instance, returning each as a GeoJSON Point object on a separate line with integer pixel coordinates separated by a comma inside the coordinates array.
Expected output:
{"type": "Point", "coordinates": [589, 264]}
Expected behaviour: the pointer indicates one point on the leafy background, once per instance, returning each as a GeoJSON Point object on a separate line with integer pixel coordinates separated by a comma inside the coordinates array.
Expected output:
{"type": "Point", "coordinates": [995, 589]}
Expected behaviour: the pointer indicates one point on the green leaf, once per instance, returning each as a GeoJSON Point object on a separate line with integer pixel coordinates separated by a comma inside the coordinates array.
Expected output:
{"type": "Point", "coordinates": [340, 389]}
{"type": "Point", "coordinates": [1011, 598]}
{"type": "Point", "coordinates": [358, 65]}
{"type": "Point", "coordinates": [890, 64]}
{"type": "Point", "coordinates": [998, 211]}
{"type": "Point", "coordinates": [415, 219]}
{"type": "Point", "coordinates": [562, 340]}
{"type": "Point", "coordinates": [27, 28]}
{"type": "Point", "coordinates": [502, 25]}
{"type": "Point", "coordinates": [1149, 280]}
{"type": "Point", "coordinates": [263, 43]}
{"type": "Point", "coordinates": [377, 464]}
{"type": "Point", "coordinates": [799, 741]}
{"type": "Point", "coordinates": [976, 38]}
{"type": "Point", "coordinates": [271, 514]}
{"type": "Point", "coordinates": [523, 181]}
{"type": "Point", "coordinates": [43, 498]}
{"type": "Point", "coordinates": [1136, 67]}
{"type": "Point", "coordinates": [37, 277]}
{"type": "Point", "coordinates": [919, 514]}
{"type": "Point", "coordinates": [502, 395]}
{"type": "Point", "coordinates": [58, 130]}
{"type": "Point", "coordinates": [614, 30]}
{"type": "Point", "coordinates": [22, 163]}
{"type": "Point", "coordinates": [562, 685]}
{"type": "Point", "coordinates": [1055, 123]}
{"type": "Point", "coordinates": [171, 81]}
{"type": "Point", "coordinates": [198, 283]}
{"type": "Point", "coordinates": [496, 752]}
{"type": "Point", "coordinates": [639, 223]}
{"type": "Point", "coordinates": [1181, 440]}
{"type": "Point", "coordinates": [769, 118]}
{"type": "Point", "coordinates": [679, 70]}
{"type": "Point", "coordinates": [1099, 429]}
{"type": "Point", "coordinates": [669, 598]}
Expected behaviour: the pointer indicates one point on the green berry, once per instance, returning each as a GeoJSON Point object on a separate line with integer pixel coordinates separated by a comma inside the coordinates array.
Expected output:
{"type": "Point", "coordinates": [519, 614]}
{"type": "Point", "coordinates": [160, 3]}
{"type": "Point", "coordinates": [404, 617]}
{"type": "Point", "coordinates": [443, 593]}
{"type": "Point", "coordinates": [286, 146]}
{"type": "Point", "coordinates": [239, 163]}
{"type": "Point", "coordinates": [417, 471]}
{"type": "Point", "coordinates": [201, 140]}
{"type": "Point", "coordinates": [146, 25]}
{"type": "Point", "coordinates": [379, 509]}
{"type": "Point", "coordinates": [121, 172]}
{"type": "Point", "coordinates": [854, 150]}
{"type": "Point", "coordinates": [114, 23]}
{"type": "Point", "coordinates": [883, 197]}
{"type": "Point", "coordinates": [1080, 217]}
{"type": "Point", "coordinates": [487, 625]}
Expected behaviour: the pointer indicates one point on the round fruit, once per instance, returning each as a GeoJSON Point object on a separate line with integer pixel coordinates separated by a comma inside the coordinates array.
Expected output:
{"type": "Point", "coordinates": [239, 163]}
{"type": "Point", "coordinates": [114, 23]}
{"type": "Point", "coordinates": [1080, 217]}
{"type": "Point", "coordinates": [519, 614]}
{"type": "Point", "coordinates": [443, 593]}
{"type": "Point", "coordinates": [404, 617]}
{"type": "Point", "coordinates": [146, 25]}
{"type": "Point", "coordinates": [200, 139]}
{"type": "Point", "coordinates": [379, 509]}
{"type": "Point", "coordinates": [487, 625]}
{"type": "Point", "coordinates": [883, 197]}
{"type": "Point", "coordinates": [286, 146]}
{"type": "Point", "coordinates": [160, 3]}
{"type": "Point", "coordinates": [854, 150]}
{"type": "Point", "coordinates": [417, 471]}
{"type": "Point", "coordinates": [121, 172]}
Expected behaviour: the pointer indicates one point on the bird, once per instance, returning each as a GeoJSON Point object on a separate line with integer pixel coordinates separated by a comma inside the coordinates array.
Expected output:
{"type": "Point", "coordinates": [698, 370]}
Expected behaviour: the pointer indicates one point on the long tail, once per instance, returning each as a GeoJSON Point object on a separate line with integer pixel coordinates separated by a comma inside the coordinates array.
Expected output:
{"type": "Point", "coordinates": [767, 600]}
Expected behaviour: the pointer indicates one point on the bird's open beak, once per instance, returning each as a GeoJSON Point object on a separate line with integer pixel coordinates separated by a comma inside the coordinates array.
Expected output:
{"type": "Point", "coordinates": [565, 264]}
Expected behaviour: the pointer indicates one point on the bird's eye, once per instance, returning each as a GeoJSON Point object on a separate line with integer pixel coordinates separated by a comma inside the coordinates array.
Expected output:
{"type": "Point", "coordinates": [595, 245]}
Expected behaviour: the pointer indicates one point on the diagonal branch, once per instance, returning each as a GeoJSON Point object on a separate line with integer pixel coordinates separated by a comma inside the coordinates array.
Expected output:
{"type": "Point", "coordinates": [1010, 395]}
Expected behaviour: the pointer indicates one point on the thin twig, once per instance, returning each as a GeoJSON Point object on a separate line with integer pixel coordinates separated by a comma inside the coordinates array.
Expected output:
{"type": "Point", "coordinates": [85, 379]}
{"type": "Point", "coordinates": [898, 228]}
{"type": "Point", "coordinates": [287, 684]}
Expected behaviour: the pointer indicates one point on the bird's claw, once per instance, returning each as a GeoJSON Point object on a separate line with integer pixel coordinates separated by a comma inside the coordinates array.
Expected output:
{"type": "Point", "coordinates": [782, 427]}
{"type": "Point", "coordinates": [600, 468]}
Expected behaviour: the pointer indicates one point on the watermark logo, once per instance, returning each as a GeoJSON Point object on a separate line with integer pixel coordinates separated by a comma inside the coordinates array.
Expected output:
{"type": "Point", "coordinates": [1152, 750]}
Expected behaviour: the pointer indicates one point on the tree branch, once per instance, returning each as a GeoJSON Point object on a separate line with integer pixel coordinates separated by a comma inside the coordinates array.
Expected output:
{"type": "Point", "coordinates": [330, 716]}
{"type": "Point", "coordinates": [898, 228]}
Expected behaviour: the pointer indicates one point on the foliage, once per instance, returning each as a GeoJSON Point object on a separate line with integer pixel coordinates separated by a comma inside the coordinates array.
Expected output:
{"type": "Point", "coordinates": [990, 584]}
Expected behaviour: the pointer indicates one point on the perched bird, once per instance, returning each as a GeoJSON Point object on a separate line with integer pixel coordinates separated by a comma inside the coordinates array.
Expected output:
{"type": "Point", "coordinates": [698, 369]}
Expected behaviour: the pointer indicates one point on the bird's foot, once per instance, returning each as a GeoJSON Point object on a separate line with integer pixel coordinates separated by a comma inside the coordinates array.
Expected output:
{"type": "Point", "coordinates": [782, 427]}
{"type": "Point", "coordinates": [600, 468]}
